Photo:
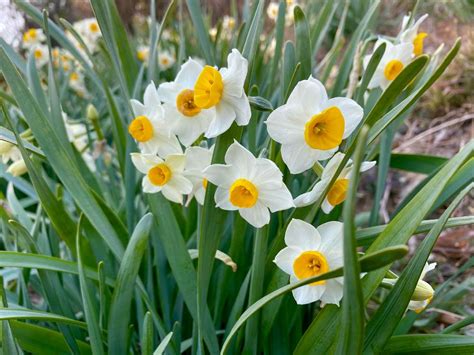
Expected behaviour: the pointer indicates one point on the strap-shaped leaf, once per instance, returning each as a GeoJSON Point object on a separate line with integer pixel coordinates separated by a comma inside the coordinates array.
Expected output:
{"type": "Point", "coordinates": [430, 344]}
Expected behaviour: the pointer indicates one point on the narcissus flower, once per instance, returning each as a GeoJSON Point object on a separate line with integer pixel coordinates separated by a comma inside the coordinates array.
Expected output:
{"type": "Point", "coordinates": [166, 59]}
{"type": "Point", "coordinates": [149, 127]}
{"type": "Point", "coordinates": [188, 121]}
{"type": "Point", "coordinates": [77, 84]}
{"type": "Point", "coordinates": [164, 176]}
{"type": "Point", "coordinates": [424, 293]}
{"type": "Point", "coordinates": [272, 11]}
{"type": "Point", "coordinates": [337, 193]}
{"type": "Point", "coordinates": [224, 90]}
{"type": "Point", "coordinates": [411, 35]}
{"type": "Point", "coordinates": [250, 185]}
{"type": "Point", "coordinates": [40, 52]}
{"type": "Point", "coordinates": [143, 53]}
{"type": "Point", "coordinates": [17, 168]}
{"type": "Point", "coordinates": [395, 58]}
{"type": "Point", "coordinates": [197, 160]}
{"type": "Point", "coordinates": [310, 127]}
{"type": "Point", "coordinates": [33, 37]}
{"type": "Point", "coordinates": [9, 151]}
{"type": "Point", "coordinates": [89, 31]}
{"type": "Point", "coordinates": [310, 252]}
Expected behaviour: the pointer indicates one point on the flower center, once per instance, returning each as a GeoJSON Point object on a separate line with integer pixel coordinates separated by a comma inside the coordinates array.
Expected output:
{"type": "Point", "coordinates": [185, 103]}
{"type": "Point", "coordinates": [337, 193]}
{"type": "Point", "coordinates": [208, 88]}
{"type": "Point", "coordinates": [243, 193]}
{"type": "Point", "coordinates": [29, 35]}
{"type": "Point", "coordinates": [204, 183]}
{"type": "Point", "coordinates": [160, 174]}
{"type": "Point", "coordinates": [309, 264]}
{"type": "Point", "coordinates": [392, 69]}
{"type": "Point", "coordinates": [38, 54]}
{"type": "Point", "coordinates": [141, 129]}
{"type": "Point", "coordinates": [325, 129]}
{"type": "Point", "coordinates": [418, 43]}
{"type": "Point", "coordinates": [93, 27]}
{"type": "Point", "coordinates": [142, 55]}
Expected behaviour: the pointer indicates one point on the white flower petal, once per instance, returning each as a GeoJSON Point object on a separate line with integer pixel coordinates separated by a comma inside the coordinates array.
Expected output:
{"type": "Point", "coordinates": [308, 294]}
{"type": "Point", "coordinates": [298, 157]}
{"type": "Point", "coordinates": [308, 198]}
{"type": "Point", "coordinates": [333, 292]}
{"type": "Point", "coordinates": [172, 194]}
{"type": "Point", "coordinates": [285, 259]}
{"type": "Point", "coordinates": [168, 92]}
{"type": "Point", "coordinates": [310, 95]}
{"type": "Point", "coordinates": [220, 175]}
{"type": "Point", "coordinates": [137, 108]}
{"type": "Point", "coordinates": [276, 199]}
{"type": "Point", "coordinates": [180, 184]}
{"type": "Point", "coordinates": [241, 107]}
{"type": "Point", "coordinates": [326, 206]}
{"type": "Point", "coordinates": [285, 126]}
{"type": "Point", "coordinates": [257, 216]}
{"type": "Point", "coordinates": [222, 199]}
{"type": "Point", "coordinates": [148, 187]}
{"type": "Point", "coordinates": [366, 165]}
{"type": "Point", "coordinates": [225, 115]}
{"type": "Point", "coordinates": [331, 236]}
{"type": "Point", "coordinates": [302, 235]}
{"type": "Point", "coordinates": [234, 77]}
{"type": "Point", "coordinates": [176, 162]}
{"type": "Point", "coordinates": [241, 159]}
{"type": "Point", "coordinates": [150, 97]}
{"type": "Point", "coordinates": [189, 73]}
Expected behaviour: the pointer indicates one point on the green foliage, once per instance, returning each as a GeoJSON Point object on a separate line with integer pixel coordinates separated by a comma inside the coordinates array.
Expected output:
{"type": "Point", "coordinates": [92, 264]}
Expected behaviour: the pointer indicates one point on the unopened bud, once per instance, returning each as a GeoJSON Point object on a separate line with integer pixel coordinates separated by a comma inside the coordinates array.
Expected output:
{"type": "Point", "coordinates": [423, 291]}
{"type": "Point", "coordinates": [5, 147]}
{"type": "Point", "coordinates": [92, 113]}
{"type": "Point", "coordinates": [17, 168]}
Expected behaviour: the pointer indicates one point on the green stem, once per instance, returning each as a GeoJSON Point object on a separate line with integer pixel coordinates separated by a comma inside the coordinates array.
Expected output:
{"type": "Point", "coordinates": [256, 287]}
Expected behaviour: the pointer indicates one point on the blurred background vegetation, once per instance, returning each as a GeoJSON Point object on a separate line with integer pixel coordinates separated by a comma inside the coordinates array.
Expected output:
{"type": "Point", "coordinates": [441, 124]}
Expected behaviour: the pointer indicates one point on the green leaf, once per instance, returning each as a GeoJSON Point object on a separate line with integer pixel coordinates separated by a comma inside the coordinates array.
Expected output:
{"type": "Point", "coordinates": [323, 22]}
{"type": "Point", "coordinates": [303, 43]}
{"type": "Point", "coordinates": [164, 343]}
{"type": "Point", "coordinates": [260, 103]}
{"type": "Point", "coordinates": [386, 318]}
{"type": "Point", "coordinates": [147, 337]}
{"type": "Point", "coordinates": [352, 330]}
{"type": "Point", "coordinates": [9, 136]}
{"type": "Point", "coordinates": [369, 72]}
{"type": "Point", "coordinates": [58, 155]}
{"type": "Point", "coordinates": [90, 311]}
{"type": "Point", "coordinates": [279, 35]}
{"type": "Point", "coordinates": [367, 263]}
{"type": "Point", "coordinates": [201, 29]}
{"type": "Point", "coordinates": [12, 313]}
{"type": "Point", "coordinates": [417, 163]}
{"type": "Point", "coordinates": [367, 235]}
{"type": "Point", "coordinates": [253, 35]}
{"type": "Point", "coordinates": [181, 263]}
{"type": "Point", "coordinates": [430, 344]}
{"type": "Point", "coordinates": [346, 64]}
{"type": "Point", "coordinates": [122, 296]}
{"type": "Point", "coordinates": [43, 341]}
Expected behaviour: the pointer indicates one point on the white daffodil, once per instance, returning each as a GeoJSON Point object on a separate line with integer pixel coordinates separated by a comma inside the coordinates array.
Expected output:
{"type": "Point", "coordinates": [395, 58]}
{"type": "Point", "coordinates": [188, 120]}
{"type": "Point", "coordinates": [337, 193]}
{"type": "Point", "coordinates": [250, 185]}
{"type": "Point", "coordinates": [166, 59]}
{"type": "Point", "coordinates": [197, 160]}
{"type": "Point", "coordinates": [310, 252]}
{"type": "Point", "coordinates": [423, 292]}
{"type": "Point", "coordinates": [310, 127]}
{"type": "Point", "coordinates": [17, 168]}
{"type": "Point", "coordinates": [77, 84]}
{"type": "Point", "coordinates": [272, 11]}
{"type": "Point", "coordinates": [33, 37]}
{"type": "Point", "coordinates": [165, 176]}
{"type": "Point", "coordinates": [40, 52]}
{"type": "Point", "coordinates": [224, 90]}
{"type": "Point", "coordinates": [143, 53]}
{"type": "Point", "coordinates": [411, 35]}
{"type": "Point", "coordinates": [228, 24]}
{"type": "Point", "coordinates": [149, 127]}
{"type": "Point", "coordinates": [9, 151]}
{"type": "Point", "coordinates": [89, 31]}
{"type": "Point", "coordinates": [77, 135]}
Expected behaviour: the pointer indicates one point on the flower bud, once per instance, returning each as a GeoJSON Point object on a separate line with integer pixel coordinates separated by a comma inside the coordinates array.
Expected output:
{"type": "Point", "coordinates": [92, 113]}
{"type": "Point", "coordinates": [423, 291]}
{"type": "Point", "coordinates": [5, 147]}
{"type": "Point", "coordinates": [17, 168]}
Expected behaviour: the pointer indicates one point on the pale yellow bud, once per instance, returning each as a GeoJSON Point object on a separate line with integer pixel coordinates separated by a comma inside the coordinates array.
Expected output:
{"type": "Point", "coordinates": [423, 291]}
{"type": "Point", "coordinates": [17, 168]}
{"type": "Point", "coordinates": [5, 147]}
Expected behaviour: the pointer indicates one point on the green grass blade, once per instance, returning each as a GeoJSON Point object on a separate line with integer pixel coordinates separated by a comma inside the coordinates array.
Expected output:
{"type": "Point", "coordinates": [430, 344]}
{"type": "Point", "coordinates": [147, 337]}
{"type": "Point", "coordinates": [346, 64]}
{"type": "Point", "coordinates": [279, 36]}
{"type": "Point", "coordinates": [202, 31]}
{"type": "Point", "coordinates": [181, 263]}
{"type": "Point", "coordinates": [12, 313]}
{"type": "Point", "coordinates": [369, 73]}
{"type": "Point", "coordinates": [58, 155]}
{"type": "Point", "coordinates": [352, 330]}
{"type": "Point", "coordinates": [90, 310]}
{"type": "Point", "coordinates": [303, 43]}
{"type": "Point", "coordinates": [122, 296]}
{"type": "Point", "coordinates": [44, 341]}
{"type": "Point", "coordinates": [164, 343]}
{"type": "Point", "coordinates": [417, 163]}
{"type": "Point", "coordinates": [323, 22]}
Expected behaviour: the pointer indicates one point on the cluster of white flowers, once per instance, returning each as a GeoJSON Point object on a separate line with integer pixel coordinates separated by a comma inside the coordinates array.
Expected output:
{"type": "Point", "coordinates": [398, 54]}
{"type": "Point", "coordinates": [227, 28]}
{"type": "Point", "coordinates": [273, 8]}
{"type": "Point", "coordinates": [34, 42]}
